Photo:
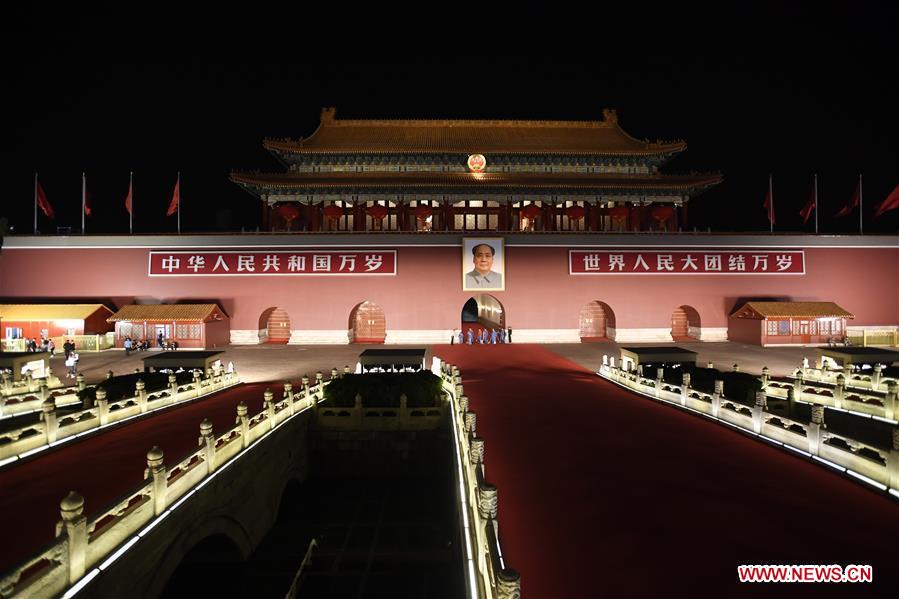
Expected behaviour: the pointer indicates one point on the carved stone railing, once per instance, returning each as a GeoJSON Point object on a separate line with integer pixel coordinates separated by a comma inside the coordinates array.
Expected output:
{"type": "Point", "coordinates": [401, 418]}
{"type": "Point", "coordinates": [82, 543]}
{"type": "Point", "coordinates": [486, 571]}
{"type": "Point", "coordinates": [10, 388]}
{"type": "Point", "coordinates": [878, 398]}
{"type": "Point", "coordinates": [53, 428]}
{"type": "Point", "coordinates": [877, 466]}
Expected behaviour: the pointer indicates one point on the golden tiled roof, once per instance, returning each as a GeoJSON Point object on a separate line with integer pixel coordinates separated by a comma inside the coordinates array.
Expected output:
{"type": "Point", "coordinates": [795, 309]}
{"type": "Point", "coordinates": [350, 136]}
{"type": "Point", "coordinates": [391, 180]}
{"type": "Point", "coordinates": [191, 312]}
{"type": "Point", "coordinates": [37, 312]}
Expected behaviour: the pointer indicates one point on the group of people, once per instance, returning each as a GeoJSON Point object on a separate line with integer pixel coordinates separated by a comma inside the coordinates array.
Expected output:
{"type": "Point", "coordinates": [71, 359]}
{"type": "Point", "coordinates": [131, 345]}
{"type": "Point", "coordinates": [482, 337]}
{"type": "Point", "coordinates": [46, 344]}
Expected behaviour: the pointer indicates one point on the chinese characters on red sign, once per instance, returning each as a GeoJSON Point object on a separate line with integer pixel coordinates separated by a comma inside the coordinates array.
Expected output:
{"type": "Point", "coordinates": [270, 263]}
{"type": "Point", "coordinates": [612, 262]}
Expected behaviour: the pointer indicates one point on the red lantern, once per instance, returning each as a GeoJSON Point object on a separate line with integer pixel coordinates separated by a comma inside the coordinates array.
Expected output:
{"type": "Point", "coordinates": [377, 211]}
{"type": "Point", "coordinates": [575, 212]}
{"type": "Point", "coordinates": [422, 212]}
{"type": "Point", "coordinates": [662, 213]}
{"type": "Point", "coordinates": [619, 212]}
{"type": "Point", "coordinates": [289, 212]}
{"type": "Point", "coordinates": [531, 211]}
{"type": "Point", "coordinates": [333, 211]}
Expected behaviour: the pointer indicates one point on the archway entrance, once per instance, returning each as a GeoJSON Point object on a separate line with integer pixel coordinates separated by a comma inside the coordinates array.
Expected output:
{"type": "Point", "coordinates": [685, 324]}
{"type": "Point", "coordinates": [596, 322]}
{"type": "Point", "coordinates": [276, 324]}
{"type": "Point", "coordinates": [482, 311]}
{"type": "Point", "coordinates": [367, 323]}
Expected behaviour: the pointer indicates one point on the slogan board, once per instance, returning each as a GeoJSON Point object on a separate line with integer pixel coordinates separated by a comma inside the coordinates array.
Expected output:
{"type": "Point", "coordinates": [659, 262]}
{"type": "Point", "coordinates": [273, 263]}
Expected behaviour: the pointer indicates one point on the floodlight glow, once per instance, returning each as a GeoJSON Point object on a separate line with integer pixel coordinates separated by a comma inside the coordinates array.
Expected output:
{"type": "Point", "coordinates": [119, 552]}
{"type": "Point", "coordinates": [81, 584]}
{"type": "Point", "coordinates": [870, 481]}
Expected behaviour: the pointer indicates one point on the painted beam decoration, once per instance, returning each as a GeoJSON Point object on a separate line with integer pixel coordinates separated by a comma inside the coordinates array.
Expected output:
{"type": "Point", "coordinates": [273, 263]}
{"type": "Point", "coordinates": [690, 262]}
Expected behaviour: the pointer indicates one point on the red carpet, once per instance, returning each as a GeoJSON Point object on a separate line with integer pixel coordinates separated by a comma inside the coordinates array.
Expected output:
{"type": "Point", "coordinates": [104, 467]}
{"type": "Point", "coordinates": [606, 494]}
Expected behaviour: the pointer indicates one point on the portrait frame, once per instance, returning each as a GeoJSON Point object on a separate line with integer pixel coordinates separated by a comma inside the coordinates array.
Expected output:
{"type": "Point", "coordinates": [498, 267]}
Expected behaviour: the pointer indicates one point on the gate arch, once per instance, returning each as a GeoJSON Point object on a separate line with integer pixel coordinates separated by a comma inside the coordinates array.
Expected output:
{"type": "Point", "coordinates": [596, 322]}
{"type": "Point", "coordinates": [276, 324]}
{"type": "Point", "coordinates": [685, 324]}
{"type": "Point", "coordinates": [482, 311]}
{"type": "Point", "coordinates": [368, 323]}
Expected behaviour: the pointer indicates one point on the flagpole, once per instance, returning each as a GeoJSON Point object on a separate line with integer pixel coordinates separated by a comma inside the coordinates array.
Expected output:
{"type": "Point", "coordinates": [35, 203]}
{"type": "Point", "coordinates": [861, 206]}
{"type": "Point", "coordinates": [131, 212]}
{"type": "Point", "coordinates": [771, 202]}
{"type": "Point", "coordinates": [816, 203]}
{"type": "Point", "coordinates": [83, 199]}
{"type": "Point", "coordinates": [179, 202]}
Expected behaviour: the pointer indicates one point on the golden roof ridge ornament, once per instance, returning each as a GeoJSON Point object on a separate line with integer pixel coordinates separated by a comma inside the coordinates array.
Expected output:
{"type": "Point", "coordinates": [329, 113]}
{"type": "Point", "coordinates": [610, 116]}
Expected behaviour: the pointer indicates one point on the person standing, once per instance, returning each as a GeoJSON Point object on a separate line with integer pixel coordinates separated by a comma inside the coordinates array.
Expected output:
{"type": "Point", "coordinates": [160, 340]}
{"type": "Point", "coordinates": [461, 338]}
{"type": "Point", "coordinates": [492, 336]}
{"type": "Point", "coordinates": [51, 347]}
{"type": "Point", "coordinates": [128, 346]}
{"type": "Point", "coordinates": [470, 337]}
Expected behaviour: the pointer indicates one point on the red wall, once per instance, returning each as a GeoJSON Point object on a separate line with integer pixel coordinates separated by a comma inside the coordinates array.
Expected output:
{"type": "Point", "coordinates": [427, 291]}
{"type": "Point", "coordinates": [32, 328]}
{"type": "Point", "coordinates": [745, 330]}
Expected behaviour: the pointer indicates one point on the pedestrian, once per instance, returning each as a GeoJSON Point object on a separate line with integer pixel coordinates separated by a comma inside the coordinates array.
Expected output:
{"type": "Point", "coordinates": [70, 366]}
{"type": "Point", "coordinates": [492, 336]}
{"type": "Point", "coordinates": [470, 336]}
{"type": "Point", "coordinates": [33, 347]}
{"type": "Point", "coordinates": [461, 338]}
{"type": "Point", "coordinates": [128, 345]}
{"type": "Point", "coordinates": [510, 335]}
{"type": "Point", "coordinates": [160, 339]}
{"type": "Point", "coordinates": [453, 337]}
{"type": "Point", "coordinates": [51, 347]}
{"type": "Point", "coordinates": [45, 344]}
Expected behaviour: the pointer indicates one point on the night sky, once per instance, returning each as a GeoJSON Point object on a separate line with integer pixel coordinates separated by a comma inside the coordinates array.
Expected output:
{"type": "Point", "coordinates": [753, 90]}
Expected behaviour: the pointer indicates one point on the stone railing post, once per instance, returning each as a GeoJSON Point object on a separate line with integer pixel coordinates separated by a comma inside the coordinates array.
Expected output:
{"type": "Point", "coordinates": [716, 397]}
{"type": "Point", "coordinates": [685, 389]}
{"type": "Point", "coordinates": [891, 400]}
{"type": "Point", "coordinates": [471, 423]}
{"type": "Point", "coordinates": [244, 421]}
{"type": "Point", "coordinates": [102, 406]}
{"type": "Point", "coordinates": [51, 423]}
{"type": "Point", "coordinates": [44, 392]}
{"type": "Point", "coordinates": [660, 380]}
{"type": "Point", "coordinates": [288, 395]}
{"type": "Point", "coordinates": [508, 584]}
{"type": "Point", "coordinates": [333, 373]}
{"type": "Point", "coordinates": [269, 404]}
{"type": "Point", "coordinates": [736, 367]}
{"type": "Point", "coordinates": [346, 369]}
{"type": "Point", "coordinates": [30, 381]}
{"type": "Point", "coordinates": [797, 386]}
{"type": "Point", "coordinates": [814, 429]}
{"type": "Point", "coordinates": [173, 385]}
{"type": "Point", "coordinates": [612, 362]}
{"type": "Point", "coordinates": [875, 378]}
{"type": "Point", "coordinates": [156, 471]}
{"type": "Point", "coordinates": [318, 383]}
{"type": "Point", "coordinates": [207, 440]}
{"type": "Point", "coordinates": [463, 403]}
{"type": "Point", "coordinates": [74, 524]}
{"type": "Point", "coordinates": [766, 377]}
{"type": "Point", "coordinates": [839, 391]}
{"type": "Point", "coordinates": [476, 445]}
{"type": "Point", "coordinates": [640, 370]}
{"type": "Point", "coordinates": [198, 390]}
{"type": "Point", "coordinates": [488, 502]}
{"type": "Point", "coordinates": [304, 381]}
{"type": "Point", "coordinates": [140, 390]}
{"type": "Point", "coordinates": [893, 461]}
{"type": "Point", "coordinates": [605, 359]}
{"type": "Point", "coordinates": [761, 405]}
{"type": "Point", "coordinates": [109, 374]}
{"type": "Point", "coordinates": [6, 382]}
{"type": "Point", "coordinates": [79, 382]}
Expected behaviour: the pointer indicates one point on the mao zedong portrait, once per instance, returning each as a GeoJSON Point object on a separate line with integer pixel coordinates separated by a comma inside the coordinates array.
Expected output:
{"type": "Point", "coordinates": [483, 276]}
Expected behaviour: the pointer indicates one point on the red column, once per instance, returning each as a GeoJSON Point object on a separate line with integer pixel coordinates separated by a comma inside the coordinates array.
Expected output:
{"type": "Point", "coordinates": [265, 217]}
{"type": "Point", "coordinates": [683, 216]}
{"type": "Point", "coordinates": [315, 216]}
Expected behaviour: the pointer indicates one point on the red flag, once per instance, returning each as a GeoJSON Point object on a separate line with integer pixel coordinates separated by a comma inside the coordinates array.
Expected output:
{"type": "Point", "coordinates": [853, 204]}
{"type": "Point", "coordinates": [87, 203]}
{"type": "Point", "coordinates": [44, 203]}
{"type": "Point", "coordinates": [806, 211]}
{"type": "Point", "coordinates": [891, 203]}
{"type": "Point", "coordinates": [176, 199]}
{"type": "Point", "coordinates": [128, 199]}
{"type": "Point", "coordinates": [769, 207]}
